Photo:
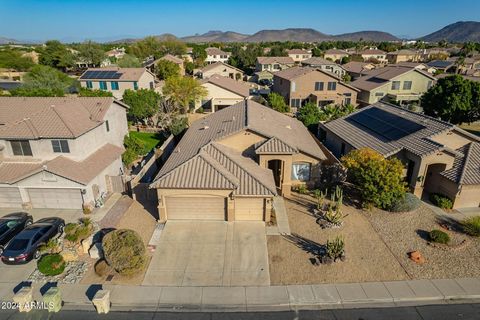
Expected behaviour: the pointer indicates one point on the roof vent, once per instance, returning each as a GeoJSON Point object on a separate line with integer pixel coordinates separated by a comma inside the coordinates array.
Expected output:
{"type": "Point", "coordinates": [288, 126]}
{"type": "Point", "coordinates": [205, 127]}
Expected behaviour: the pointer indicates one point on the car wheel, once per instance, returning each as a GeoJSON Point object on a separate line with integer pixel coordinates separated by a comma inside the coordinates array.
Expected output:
{"type": "Point", "coordinates": [60, 228]}
{"type": "Point", "coordinates": [29, 222]}
{"type": "Point", "coordinates": [36, 255]}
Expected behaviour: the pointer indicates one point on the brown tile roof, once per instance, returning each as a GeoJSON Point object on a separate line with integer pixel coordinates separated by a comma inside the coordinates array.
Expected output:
{"type": "Point", "coordinates": [212, 66]}
{"type": "Point", "coordinates": [295, 72]}
{"type": "Point", "coordinates": [273, 60]}
{"type": "Point", "coordinates": [466, 167]}
{"type": "Point", "coordinates": [274, 146]}
{"type": "Point", "coordinates": [171, 58]}
{"type": "Point", "coordinates": [52, 117]}
{"type": "Point", "coordinates": [356, 66]}
{"type": "Point", "coordinates": [239, 87]}
{"type": "Point", "coordinates": [215, 51]}
{"type": "Point", "coordinates": [79, 171]}
{"type": "Point", "coordinates": [336, 51]}
{"type": "Point", "coordinates": [316, 61]}
{"type": "Point", "coordinates": [245, 115]}
{"type": "Point", "coordinates": [298, 51]}
{"type": "Point", "coordinates": [371, 51]}
{"type": "Point", "coordinates": [127, 74]}
{"type": "Point", "coordinates": [378, 77]}
{"type": "Point", "coordinates": [404, 52]}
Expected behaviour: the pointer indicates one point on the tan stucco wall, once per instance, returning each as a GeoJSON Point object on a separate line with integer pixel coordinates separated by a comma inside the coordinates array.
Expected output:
{"type": "Point", "coordinates": [224, 71]}
{"type": "Point", "coordinates": [219, 96]}
{"type": "Point", "coordinates": [243, 141]}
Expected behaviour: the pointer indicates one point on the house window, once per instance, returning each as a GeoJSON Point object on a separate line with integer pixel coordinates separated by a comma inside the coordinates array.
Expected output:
{"type": "Point", "coordinates": [332, 86]}
{"type": "Point", "coordinates": [21, 148]}
{"type": "Point", "coordinates": [407, 85]}
{"type": "Point", "coordinates": [301, 171]}
{"type": "Point", "coordinates": [135, 85]}
{"type": "Point", "coordinates": [151, 85]}
{"type": "Point", "coordinates": [107, 125]}
{"type": "Point", "coordinates": [379, 94]}
{"type": "Point", "coordinates": [60, 146]}
{"type": "Point", "coordinates": [103, 85]}
{"type": "Point", "coordinates": [293, 87]}
{"type": "Point", "coordinates": [318, 86]}
{"type": "Point", "coordinates": [296, 103]}
{"type": "Point", "coordinates": [89, 85]}
{"type": "Point", "coordinates": [114, 85]}
{"type": "Point", "coordinates": [395, 85]}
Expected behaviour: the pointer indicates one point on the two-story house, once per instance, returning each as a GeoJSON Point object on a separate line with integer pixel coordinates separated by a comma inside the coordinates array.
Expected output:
{"type": "Point", "coordinates": [273, 64]}
{"type": "Point", "coordinates": [117, 80]}
{"type": "Point", "coordinates": [404, 55]}
{"type": "Point", "coordinates": [335, 55]}
{"type": "Point", "coordinates": [356, 69]}
{"type": "Point", "coordinates": [298, 55]}
{"type": "Point", "coordinates": [216, 55]}
{"type": "Point", "coordinates": [61, 152]}
{"type": "Point", "coordinates": [393, 83]}
{"type": "Point", "coordinates": [326, 65]}
{"type": "Point", "coordinates": [232, 163]}
{"type": "Point", "coordinates": [301, 84]}
{"type": "Point", "coordinates": [223, 92]}
{"type": "Point", "coordinates": [152, 64]}
{"type": "Point", "coordinates": [222, 69]}
{"type": "Point", "coordinates": [372, 55]}
{"type": "Point", "coordinates": [438, 157]}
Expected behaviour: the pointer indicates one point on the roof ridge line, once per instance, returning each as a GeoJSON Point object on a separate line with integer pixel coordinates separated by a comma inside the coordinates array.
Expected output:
{"type": "Point", "coordinates": [209, 161]}
{"type": "Point", "coordinates": [465, 162]}
{"type": "Point", "coordinates": [61, 119]}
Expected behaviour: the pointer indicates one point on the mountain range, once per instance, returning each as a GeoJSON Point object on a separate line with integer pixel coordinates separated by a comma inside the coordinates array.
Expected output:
{"type": "Point", "coordinates": [462, 31]}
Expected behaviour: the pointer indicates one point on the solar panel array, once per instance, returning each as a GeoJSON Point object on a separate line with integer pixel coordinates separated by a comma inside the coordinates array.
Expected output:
{"type": "Point", "coordinates": [386, 124]}
{"type": "Point", "coordinates": [101, 74]}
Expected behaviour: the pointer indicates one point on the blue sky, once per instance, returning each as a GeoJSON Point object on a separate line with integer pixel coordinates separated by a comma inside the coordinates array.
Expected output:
{"type": "Point", "coordinates": [89, 19]}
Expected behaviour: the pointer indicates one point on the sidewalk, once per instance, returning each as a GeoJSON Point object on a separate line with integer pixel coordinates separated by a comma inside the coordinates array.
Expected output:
{"type": "Point", "coordinates": [274, 298]}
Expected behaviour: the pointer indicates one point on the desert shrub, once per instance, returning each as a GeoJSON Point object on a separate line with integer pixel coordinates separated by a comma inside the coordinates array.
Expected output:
{"type": "Point", "coordinates": [76, 232]}
{"type": "Point", "coordinates": [336, 248]}
{"type": "Point", "coordinates": [102, 268]}
{"type": "Point", "coordinates": [124, 251]}
{"type": "Point", "coordinates": [51, 264]}
{"type": "Point", "coordinates": [406, 204]}
{"type": "Point", "coordinates": [441, 201]}
{"type": "Point", "coordinates": [439, 236]}
{"type": "Point", "coordinates": [301, 188]}
{"type": "Point", "coordinates": [50, 247]}
{"type": "Point", "coordinates": [472, 226]}
{"type": "Point", "coordinates": [379, 180]}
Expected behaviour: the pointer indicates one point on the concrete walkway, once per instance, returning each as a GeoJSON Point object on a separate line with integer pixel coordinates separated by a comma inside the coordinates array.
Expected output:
{"type": "Point", "coordinates": [274, 298]}
{"type": "Point", "coordinates": [282, 227]}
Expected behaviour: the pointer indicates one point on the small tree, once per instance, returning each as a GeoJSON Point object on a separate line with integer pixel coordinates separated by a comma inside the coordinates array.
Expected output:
{"type": "Point", "coordinates": [183, 91]}
{"type": "Point", "coordinates": [133, 148]}
{"type": "Point", "coordinates": [85, 92]}
{"type": "Point", "coordinates": [166, 69]}
{"type": "Point", "coordinates": [277, 103]}
{"type": "Point", "coordinates": [310, 115]}
{"type": "Point", "coordinates": [91, 53]}
{"type": "Point", "coordinates": [143, 103]}
{"type": "Point", "coordinates": [129, 61]}
{"type": "Point", "coordinates": [178, 125]}
{"type": "Point", "coordinates": [379, 180]}
{"type": "Point", "coordinates": [44, 81]}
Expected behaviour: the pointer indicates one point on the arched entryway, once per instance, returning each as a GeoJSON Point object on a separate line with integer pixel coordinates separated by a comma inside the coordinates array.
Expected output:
{"type": "Point", "coordinates": [432, 178]}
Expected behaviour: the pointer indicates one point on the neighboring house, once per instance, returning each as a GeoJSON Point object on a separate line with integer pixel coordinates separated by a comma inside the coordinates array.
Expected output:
{"type": "Point", "coordinates": [401, 84]}
{"type": "Point", "coordinates": [216, 55]}
{"type": "Point", "coordinates": [442, 65]}
{"type": "Point", "coordinates": [11, 74]}
{"type": "Point", "coordinates": [438, 157]}
{"type": "Point", "coordinates": [326, 65]}
{"type": "Point", "coordinates": [62, 152]}
{"type": "Point", "coordinates": [116, 53]}
{"type": "Point", "coordinates": [435, 53]}
{"type": "Point", "coordinates": [301, 84]}
{"type": "Point", "coordinates": [152, 64]}
{"type": "Point", "coordinates": [335, 55]}
{"type": "Point", "coordinates": [404, 55]}
{"type": "Point", "coordinates": [230, 164]}
{"type": "Point", "coordinates": [117, 80]}
{"type": "Point", "coordinates": [222, 69]}
{"type": "Point", "coordinates": [273, 64]}
{"type": "Point", "coordinates": [418, 65]}
{"type": "Point", "coordinates": [372, 55]}
{"type": "Point", "coordinates": [223, 92]}
{"type": "Point", "coordinates": [298, 55]}
{"type": "Point", "coordinates": [357, 69]}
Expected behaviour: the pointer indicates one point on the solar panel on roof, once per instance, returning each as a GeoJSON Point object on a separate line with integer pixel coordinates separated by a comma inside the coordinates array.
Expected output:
{"type": "Point", "coordinates": [101, 74]}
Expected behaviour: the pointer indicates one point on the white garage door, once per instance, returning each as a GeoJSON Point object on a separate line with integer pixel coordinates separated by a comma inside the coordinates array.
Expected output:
{"type": "Point", "coordinates": [249, 209]}
{"type": "Point", "coordinates": [10, 198]}
{"type": "Point", "coordinates": [56, 198]}
{"type": "Point", "coordinates": [197, 208]}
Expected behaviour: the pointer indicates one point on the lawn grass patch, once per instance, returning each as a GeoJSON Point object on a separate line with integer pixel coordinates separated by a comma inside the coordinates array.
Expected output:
{"type": "Point", "coordinates": [150, 139]}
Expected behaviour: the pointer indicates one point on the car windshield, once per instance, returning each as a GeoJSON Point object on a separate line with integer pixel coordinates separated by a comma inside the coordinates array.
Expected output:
{"type": "Point", "coordinates": [18, 244]}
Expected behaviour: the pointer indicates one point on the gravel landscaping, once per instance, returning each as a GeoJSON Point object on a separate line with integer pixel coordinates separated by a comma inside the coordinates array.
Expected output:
{"type": "Point", "coordinates": [407, 232]}
{"type": "Point", "coordinates": [367, 256]}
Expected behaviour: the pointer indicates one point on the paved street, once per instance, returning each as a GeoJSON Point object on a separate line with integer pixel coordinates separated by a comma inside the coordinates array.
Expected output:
{"type": "Point", "coordinates": [210, 253]}
{"type": "Point", "coordinates": [429, 312]}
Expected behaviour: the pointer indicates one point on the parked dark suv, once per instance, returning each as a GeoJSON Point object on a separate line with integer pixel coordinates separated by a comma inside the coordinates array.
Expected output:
{"type": "Point", "coordinates": [11, 225]}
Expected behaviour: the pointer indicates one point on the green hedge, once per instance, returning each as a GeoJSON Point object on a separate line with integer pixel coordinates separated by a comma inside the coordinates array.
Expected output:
{"type": "Point", "coordinates": [441, 201]}
{"type": "Point", "coordinates": [51, 264]}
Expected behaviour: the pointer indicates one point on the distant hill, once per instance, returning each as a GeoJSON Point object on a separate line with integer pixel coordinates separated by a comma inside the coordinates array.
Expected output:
{"type": "Point", "coordinates": [216, 36]}
{"type": "Point", "coordinates": [4, 40]}
{"type": "Point", "coordinates": [161, 37]}
{"type": "Point", "coordinates": [377, 36]}
{"type": "Point", "coordinates": [292, 34]}
{"type": "Point", "coordinates": [462, 31]}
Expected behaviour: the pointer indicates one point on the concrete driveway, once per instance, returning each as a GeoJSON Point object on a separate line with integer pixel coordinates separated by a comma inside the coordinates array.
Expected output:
{"type": "Point", "coordinates": [210, 253]}
{"type": "Point", "coordinates": [69, 215]}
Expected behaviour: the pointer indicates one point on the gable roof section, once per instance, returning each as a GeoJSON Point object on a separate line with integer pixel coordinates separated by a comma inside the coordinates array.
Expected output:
{"type": "Point", "coordinates": [127, 74]}
{"type": "Point", "coordinates": [388, 129]}
{"type": "Point", "coordinates": [272, 60]}
{"type": "Point", "coordinates": [298, 51]}
{"type": "Point", "coordinates": [245, 115]}
{"type": "Point", "coordinates": [212, 66]}
{"type": "Point", "coordinates": [316, 61]}
{"type": "Point", "coordinates": [239, 87]}
{"type": "Point", "coordinates": [357, 66]}
{"type": "Point", "coordinates": [378, 77]}
{"type": "Point", "coordinates": [466, 166]}
{"type": "Point", "coordinates": [275, 146]}
{"type": "Point", "coordinates": [215, 51]}
{"type": "Point", "coordinates": [52, 117]}
{"type": "Point", "coordinates": [171, 58]}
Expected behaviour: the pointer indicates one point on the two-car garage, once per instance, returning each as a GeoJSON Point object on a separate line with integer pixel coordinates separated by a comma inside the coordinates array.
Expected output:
{"type": "Point", "coordinates": [10, 197]}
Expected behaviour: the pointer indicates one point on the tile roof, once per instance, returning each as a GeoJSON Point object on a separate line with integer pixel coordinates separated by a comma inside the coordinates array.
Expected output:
{"type": "Point", "coordinates": [336, 51]}
{"type": "Point", "coordinates": [128, 74]}
{"type": "Point", "coordinates": [466, 166]}
{"type": "Point", "coordinates": [274, 146]}
{"type": "Point", "coordinates": [52, 117]}
{"type": "Point", "coordinates": [171, 58]}
{"type": "Point", "coordinates": [298, 51]}
{"type": "Point", "coordinates": [212, 66]}
{"type": "Point", "coordinates": [371, 51]}
{"type": "Point", "coordinates": [272, 60]}
{"type": "Point", "coordinates": [215, 51]}
{"type": "Point", "coordinates": [378, 77]}
{"type": "Point", "coordinates": [295, 72]}
{"type": "Point", "coordinates": [356, 66]}
{"type": "Point", "coordinates": [403, 52]}
{"type": "Point", "coordinates": [316, 61]}
{"type": "Point", "coordinates": [245, 115]}
{"type": "Point", "coordinates": [389, 129]}
{"type": "Point", "coordinates": [79, 171]}
{"type": "Point", "coordinates": [239, 87]}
